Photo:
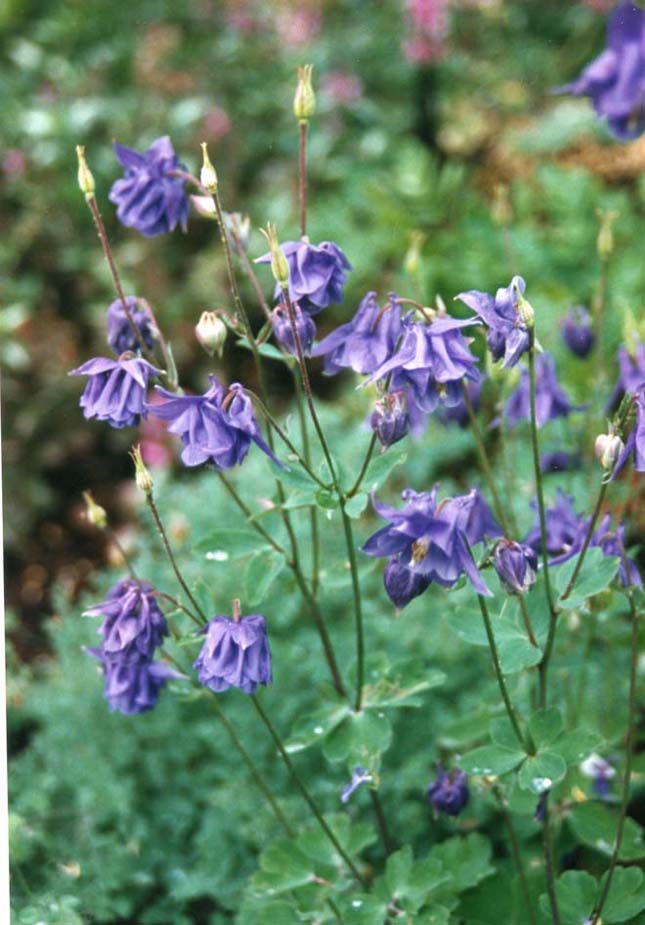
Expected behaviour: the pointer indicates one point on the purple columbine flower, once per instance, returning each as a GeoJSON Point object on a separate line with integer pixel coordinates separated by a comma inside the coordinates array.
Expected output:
{"type": "Point", "coordinates": [365, 342]}
{"type": "Point", "coordinates": [565, 530]}
{"type": "Point", "coordinates": [215, 427]}
{"type": "Point", "coordinates": [390, 419]}
{"type": "Point", "coordinates": [283, 331]}
{"type": "Point", "coordinates": [235, 654]}
{"type": "Point", "coordinates": [359, 776]}
{"type": "Point", "coordinates": [132, 685]}
{"type": "Point", "coordinates": [551, 401]}
{"type": "Point", "coordinates": [612, 543]}
{"type": "Point", "coordinates": [432, 542]}
{"type": "Point", "coordinates": [615, 80]}
{"type": "Point", "coordinates": [457, 413]}
{"type": "Point", "coordinates": [116, 389]}
{"type": "Point", "coordinates": [600, 772]}
{"type": "Point", "coordinates": [508, 335]}
{"type": "Point", "coordinates": [120, 335]}
{"type": "Point", "coordinates": [516, 566]}
{"type": "Point", "coordinates": [559, 461]}
{"type": "Point", "coordinates": [317, 274]}
{"type": "Point", "coordinates": [635, 443]}
{"type": "Point", "coordinates": [431, 363]}
{"type": "Point", "coordinates": [448, 793]}
{"type": "Point", "coordinates": [631, 373]}
{"type": "Point", "coordinates": [147, 197]}
{"type": "Point", "coordinates": [577, 331]}
{"type": "Point", "coordinates": [133, 624]}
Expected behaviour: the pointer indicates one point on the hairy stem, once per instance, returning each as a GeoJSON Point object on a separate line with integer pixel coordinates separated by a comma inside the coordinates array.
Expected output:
{"type": "Point", "coordinates": [303, 790]}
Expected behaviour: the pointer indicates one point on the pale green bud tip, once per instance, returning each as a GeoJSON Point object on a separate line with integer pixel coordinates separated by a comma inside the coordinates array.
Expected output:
{"type": "Point", "coordinates": [141, 474]}
{"type": "Point", "coordinates": [607, 449]}
{"type": "Point", "coordinates": [94, 512]}
{"type": "Point", "coordinates": [211, 333]}
{"type": "Point", "coordinates": [85, 178]}
{"type": "Point", "coordinates": [279, 265]}
{"type": "Point", "coordinates": [411, 262]}
{"type": "Point", "coordinates": [605, 241]}
{"type": "Point", "coordinates": [304, 102]}
{"type": "Point", "coordinates": [207, 176]}
{"type": "Point", "coordinates": [524, 307]}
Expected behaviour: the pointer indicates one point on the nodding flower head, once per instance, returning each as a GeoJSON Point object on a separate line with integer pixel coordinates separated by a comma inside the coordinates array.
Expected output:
{"type": "Point", "coordinates": [516, 566]}
{"type": "Point", "coordinates": [149, 197]}
{"type": "Point", "coordinates": [551, 401]}
{"type": "Point", "coordinates": [116, 389]}
{"type": "Point", "coordinates": [577, 331]}
{"type": "Point", "coordinates": [508, 317]}
{"type": "Point", "coordinates": [316, 274]}
{"type": "Point", "coordinates": [133, 624]}
{"type": "Point", "coordinates": [365, 342]}
{"type": "Point", "coordinates": [120, 335]}
{"type": "Point", "coordinates": [283, 329]}
{"type": "Point", "coordinates": [132, 685]}
{"type": "Point", "coordinates": [235, 653]}
{"type": "Point", "coordinates": [448, 793]}
{"type": "Point", "coordinates": [390, 420]}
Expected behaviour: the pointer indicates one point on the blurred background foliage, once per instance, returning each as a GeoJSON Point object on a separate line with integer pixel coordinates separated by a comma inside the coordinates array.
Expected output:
{"type": "Point", "coordinates": [471, 151]}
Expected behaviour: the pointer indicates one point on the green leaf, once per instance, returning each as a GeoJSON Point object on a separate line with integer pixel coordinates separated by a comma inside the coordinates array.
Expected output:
{"type": "Point", "coordinates": [466, 621]}
{"type": "Point", "coordinates": [386, 694]}
{"type": "Point", "coordinates": [380, 467]}
{"type": "Point", "coordinates": [356, 505]}
{"type": "Point", "coordinates": [597, 571]}
{"type": "Point", "coordinates": [353, 837]}
{"type": "Point", "coordinates": [283, 866]}
{"type": "Point", "coordinates": [467, 859]}
{"type": "Point", "coordinates": [296, 477]}
{"type": "Point", "coordinates": [540, 772]}
{"type": "Point", "coordinates": [626, 897]}
{"type": "Point", "coordinates": [502, 733]}
{"type": "Point", "coordinates": [398, 870]}
{"type": "Point", "coordinates": [574, 746]}
{"type": "Point", "coordinates": [363, 909]}
{"type": "Point", "coordinates": [223, 545]}
{"type": "Point", "coordinates": [545, 726]}
{"type": "Point", "coordinates": [359, 739]}
{"type": "Point", "coordinates": [260, 573]}
{"type": "Point", "coordinates": [576, 894]}
{"type": "Point", "coordinates": [312, 728]}
{"type": "Point", "coordinates": [326, 499]}
{"type": "Point", "coordinates": [515, 651]}
{"type": "Point", "coordinates": [267, 350]}
{"type": "Point", "coordinates": [595, 825]}
{"type": "Point", "coordinates": [491, 759]}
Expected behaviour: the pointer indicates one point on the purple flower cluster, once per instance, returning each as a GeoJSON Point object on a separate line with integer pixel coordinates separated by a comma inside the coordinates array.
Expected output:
{"type": "Point", "coordinates": [615, 80]}
{"type": "Point", "coordinates": [508, 335]}
{"type": "Point", "coordinates": [116, 389]}
{"type": "Point", "coordinates": [426, 542]}
{"type": "Point", "coordinates": [132, 628]}
{"type": "Point", "coordinates": [235, 653]}
{"type": "Point", "coordinates": [317, 274]}
{"type": "Point", "coordinates": [120, 335]}
{"type": "Point", "coordinates": [448, 793]}
{"type": "Point", "coordinates": [551, 401]}
{"type": "Point", "coordinates": [635, 443]}
{"type": "Point", "coordinates": [365, 342]}
{"type": "Point", "coordinates": [631, 373]}
{"type": "Point", "coordinates": [148, 197]}
{"type": "Point", "coordinates": [566, 531]}
{"type": "Point", "coordinates": [215, 427]}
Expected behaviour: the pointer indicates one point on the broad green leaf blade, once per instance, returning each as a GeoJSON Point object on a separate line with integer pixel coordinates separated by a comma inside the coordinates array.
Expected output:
{"type": "Point", "coordinates": [359, 739]}
{"type": "Point", "coordinates": [261, 572]}
{"type": "Point", "coordinates": [540, 772]}
{"type": "Point", "coordinates": [356, 505]}
{"type": "Point", "coordinates": [380, 467]}
{"type": "Point", "coordinates": [576, 894]}
{"type": "Point", "coordinates": [222, 545]}
{"type": "Point", "coordinates": [312, 728]}
{"type": "Point", "coordinates": [626, 897]}
{"type": "Point", "coordinates": [491, 759]}
{"type": "Point", "coordinates": [545, 726]}
{"type": "Point", "coordinates": [597, 571]}
{"type": "Point", "coordinates": [595, 825]}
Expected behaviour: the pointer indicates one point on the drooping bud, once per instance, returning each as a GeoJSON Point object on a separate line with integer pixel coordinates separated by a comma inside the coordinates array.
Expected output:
{"type": "Point", "coordinates": [211, 332]}
{"type": "Point", "coordinates": [85, 178]}
{"type": "Point", "coordinates": [305, 325]}
{"type": "Point", "coordinates": [95, 514]}
{"type": "Point", "coordinates": [577, 331]}
{"type": "Point", "coordinates": [304, 102]}
{"type": "Point", "coordinates": [141, 474]}
{"type": "Point", "coordinates": [448, 793]}
{"type": "Point", "coordinates": [207, 175]}
{"type": "Point", "coordinates": [524, 307]}
{"type": "Point", "coordinates": [204, 206]}
{"type": "Point", "coordinates": [607, 449]}
{"type": "Point", "coordinates": [279, 265]}
{"type": "Point", "coordinates": [605, 240]}
{"type": "Point", "coordinates": [516, 566]}
{"type": "Point", "coordinates": [390, 420]}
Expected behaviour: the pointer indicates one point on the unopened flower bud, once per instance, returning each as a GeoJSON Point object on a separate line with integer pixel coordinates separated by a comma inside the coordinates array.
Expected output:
{"type": "Point", "coordinates": [304, 102]}
{"type": "Point", "coordinates": [305, 326]}
{"type": "Point", "coordinates": [94, 512]}
{"type": "Point", "coordinates": [524, 307]}
{"type": "Point", "coordinates": [85, 178]}
{"type": "Point", "coordinates": [605, 240]}
{"type": "Point", "coordinates": [211, 333]}
{"type": "Point", "coordinates": [141, 473]}
{"type": "Point", "coordinates": [607, 449]}
{"type": "Point", "coordinates": [516, 566]}
{"type": "Point", "coordinates": [279, 265]}
{"type": "Point", "coordinates": [411, 261]}
{"type": "Point", "coordinates": [207, 176]}
{"type": "Point", "coordinates": [204, 206]}
{"type": "Point", "coordinates": [390, 420]}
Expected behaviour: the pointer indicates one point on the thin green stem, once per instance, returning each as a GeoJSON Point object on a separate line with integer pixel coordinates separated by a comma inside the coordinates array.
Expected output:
{"type": "Point", "coordinates": [313, 511]}
{"type": "Point", "coordinates": [303, 790]}
{"type": "Point", "coordinates": [549, 866]}
{"type": "Point", "coordinates": [126, 558]}
{"type": "Point", "coordinates": [517, 855]}
{"type": "Point", "coordinates": [294, 565]}
{"type": "Point", "coordinates": [585, 545]}
{"type": "Point", "coordinates": [302, 177]}
{"type": "Point", "coordinates": [381, 822]}
{"type": "Point", "coordinates": [169, 553]}
{"type": "Point", "coordinates": [173, 600]}
{"type": "Point", "coordinates": [483, 457]}
{"type": "Point", "coordinates": [629, 748]}
{"type": "Point", "coordinates": [361, 475]}
{"type": "Point", "coordinates": [492, 645]}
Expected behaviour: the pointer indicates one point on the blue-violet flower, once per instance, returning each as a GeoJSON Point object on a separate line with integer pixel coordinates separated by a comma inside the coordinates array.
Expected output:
{"type": "Point", "coordinates": [317, 274]}
{"type": "Point", "coordinates": [132, 685]}
{"type": "Point", "coordinates": [508, 335]}
{"type": "Point", "coordinates": [235, 653]}
{"type": "Point", "coordinates": [359, 776]}
{"type": "Point", "coordinates": [577, 331]}
{"type": "Point", "coordinates": [600, 771]}
{"type": "Point", "coordinates": [390, 420]}
{"type": "Point", "coordinates": [120, 335]}
{"type": "Point", "coordinates": [448, 794]}
{"type": "Point", "coordinates": [132, 623]}
{"type": "Point", "coordinates": [305, 325]}
{"type": "Point", "coordinates": [551, 401]}
{"type": "Point", "coordinates": [631, 373]}
{"type": "Point", "coordinates": [365, 342]}
{"type": "Point", "coordinates": [516, 565]}
{"type": "Point", "coordinates": [116, 389]}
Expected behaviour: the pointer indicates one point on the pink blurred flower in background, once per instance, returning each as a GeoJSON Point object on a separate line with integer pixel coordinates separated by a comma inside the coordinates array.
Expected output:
{"type": "Point", "coordinates": [216, 123]}
{"type": "Point", "coordinates": [298, 23]}
{"type": "Point", "coordinates": [600, 6]}
{"type": "Point", "coordinates": [14, 162]}
{"type": "Point", "coordinates": [156, 443]}
{"type": "Point", "coordinates": [427, 26]}
{"type": "Point", "coordinates": [341, 87]}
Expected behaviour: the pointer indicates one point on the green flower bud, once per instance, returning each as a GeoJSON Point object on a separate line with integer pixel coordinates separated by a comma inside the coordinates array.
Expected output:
{"type": "Point", "coordinates": [207, 176]}
{"type": "Point", "coordinates": [95, 514]}
{"type": "Point", "coordinates": [411, 261]}
{"type": "Point", "coordinates": [605, 241]}
{"type": "Point", "coordinates": [211, 333]}
{"type": "Point", "coordinates": [85, 178]}
{"type": "Point", "coordinates": [304, 102]}
{"type": "Point", "coordinates": [279, 265]}
{"type": "Point", "coordinates": [524, 307]}
{"type": "Point", "coordinates": [141, 473]}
